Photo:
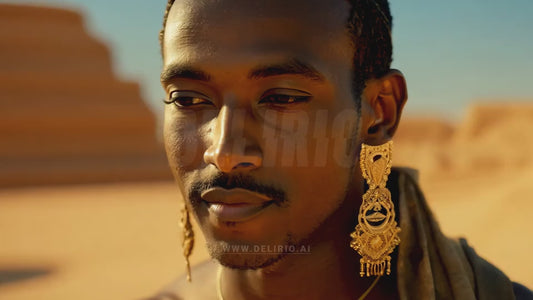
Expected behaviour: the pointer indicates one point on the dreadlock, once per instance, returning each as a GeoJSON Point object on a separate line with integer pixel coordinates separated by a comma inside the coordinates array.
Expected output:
{"type": "Point", "coordinates": [370, 24]}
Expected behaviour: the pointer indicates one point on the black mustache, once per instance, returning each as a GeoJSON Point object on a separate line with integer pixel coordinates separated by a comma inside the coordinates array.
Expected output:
{"type": "Point", "coordinates": [226, 181]}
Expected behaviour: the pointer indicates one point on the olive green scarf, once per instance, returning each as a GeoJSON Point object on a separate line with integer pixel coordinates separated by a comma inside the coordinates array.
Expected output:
{"type": "Point", "coordinates": [432, 266]}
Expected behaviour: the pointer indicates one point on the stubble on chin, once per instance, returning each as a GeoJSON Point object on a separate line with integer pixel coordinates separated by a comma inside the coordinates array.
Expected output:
{"type": "Point", "coordinates": [244, 256]}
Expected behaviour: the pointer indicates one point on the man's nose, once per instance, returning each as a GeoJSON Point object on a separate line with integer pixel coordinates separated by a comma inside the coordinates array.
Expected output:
{"type": "Point", "coordinates": [232, 149]}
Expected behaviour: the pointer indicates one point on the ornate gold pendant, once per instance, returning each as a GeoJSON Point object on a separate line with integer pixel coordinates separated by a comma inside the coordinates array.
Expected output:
{"type": "Point", "coordinates": [376, 234]}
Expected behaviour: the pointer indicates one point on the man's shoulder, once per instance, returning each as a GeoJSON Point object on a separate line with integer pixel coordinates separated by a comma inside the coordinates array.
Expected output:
{"type": "Point", "coordinates": [521, 292]}
{"type": "Point", "coordinates": [202, 285]}
{"type": "Point", "coordinates": [490, 280]}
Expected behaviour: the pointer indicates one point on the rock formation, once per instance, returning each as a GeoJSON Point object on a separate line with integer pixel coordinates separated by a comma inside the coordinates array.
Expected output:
{"type": "Point", "coordinates": [496, 136]}
{"type": "Point", "coordinates": [65, 117]}
{"type": "Point", "coordinates": [493, 137]}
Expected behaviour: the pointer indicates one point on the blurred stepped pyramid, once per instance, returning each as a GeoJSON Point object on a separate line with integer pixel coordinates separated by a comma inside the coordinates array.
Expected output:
{"type": "Point", "coordinates": [64, 116]}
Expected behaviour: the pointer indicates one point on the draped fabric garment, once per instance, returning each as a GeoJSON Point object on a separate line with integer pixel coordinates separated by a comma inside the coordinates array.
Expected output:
{"type": "Point", "coordinates": [432, 266]}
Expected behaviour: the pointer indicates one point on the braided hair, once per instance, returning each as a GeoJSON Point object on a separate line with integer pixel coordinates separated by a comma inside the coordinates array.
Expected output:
{"type": "Point", "coordinates": [369, 24]}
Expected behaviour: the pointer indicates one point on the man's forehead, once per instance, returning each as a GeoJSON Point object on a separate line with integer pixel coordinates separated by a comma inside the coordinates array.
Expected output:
{"type": "Point", "coordinates": [194, 14]}
{"type": "Point", "coordinates": [230, 7]}
{"type": "Point", "coordinates": [269, 25]}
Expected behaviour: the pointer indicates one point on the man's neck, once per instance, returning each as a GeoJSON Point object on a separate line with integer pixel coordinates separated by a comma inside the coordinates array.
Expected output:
{"type": "Point", "coordinates": [329, 272]}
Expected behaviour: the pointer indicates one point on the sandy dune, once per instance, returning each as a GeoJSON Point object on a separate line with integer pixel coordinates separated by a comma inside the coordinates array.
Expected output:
{"type": "Point", "coordinates": [494, 137]}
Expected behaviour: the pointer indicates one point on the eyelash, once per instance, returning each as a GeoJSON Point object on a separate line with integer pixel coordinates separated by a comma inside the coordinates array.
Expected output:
{"type": "Point", "coordinates": [188, 100]}
{"type": "Point", "coordinates": [275, 100]}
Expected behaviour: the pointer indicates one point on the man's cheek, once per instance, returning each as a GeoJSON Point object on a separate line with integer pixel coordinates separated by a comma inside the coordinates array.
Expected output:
{"type": "Point", "coordinates": [190, 151]}
{"type": "Point", "coordinates": [184, 148]}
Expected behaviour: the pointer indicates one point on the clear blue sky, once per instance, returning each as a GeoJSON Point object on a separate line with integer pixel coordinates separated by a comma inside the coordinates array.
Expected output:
{"type": "Point", "coordinates": [452, 52]}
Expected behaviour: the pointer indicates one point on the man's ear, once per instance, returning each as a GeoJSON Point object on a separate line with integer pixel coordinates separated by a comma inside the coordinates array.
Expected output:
{"type": "Point", "coordinates": [383, 100]}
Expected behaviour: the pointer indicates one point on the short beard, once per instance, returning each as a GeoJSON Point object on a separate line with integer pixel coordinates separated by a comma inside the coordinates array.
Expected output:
{"type": "Point", "coordinates": [244, 256]}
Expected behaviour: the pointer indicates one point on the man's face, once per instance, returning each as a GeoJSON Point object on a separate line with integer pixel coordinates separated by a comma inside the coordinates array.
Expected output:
{"type": "Point", "coordinates": [261, 135]}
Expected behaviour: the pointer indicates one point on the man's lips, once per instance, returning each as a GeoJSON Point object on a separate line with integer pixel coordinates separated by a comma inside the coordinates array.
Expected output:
{"type": "Point", "coordinates": [235, 205]}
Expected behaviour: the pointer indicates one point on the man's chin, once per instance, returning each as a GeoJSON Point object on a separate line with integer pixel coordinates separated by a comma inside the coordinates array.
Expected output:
{"type": "Point", "coordinates": [245, 256]}
{"type": "Point", "coordinates": [249, 261]}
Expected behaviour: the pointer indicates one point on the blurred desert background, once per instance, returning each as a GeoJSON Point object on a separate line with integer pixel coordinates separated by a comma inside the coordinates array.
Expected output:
{"type": "Point", "coordinates": [87, 206]}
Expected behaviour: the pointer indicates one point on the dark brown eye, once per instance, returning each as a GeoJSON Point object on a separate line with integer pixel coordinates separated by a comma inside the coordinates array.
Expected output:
{"type": "Point", "coordinates": [187, 99]}
{"type": "Point", "coordinates": [284, 99]}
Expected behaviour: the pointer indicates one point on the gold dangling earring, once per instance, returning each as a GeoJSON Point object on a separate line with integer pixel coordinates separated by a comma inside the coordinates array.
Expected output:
{"type": "Point", "coordinates": [376, 234]}
{"type": "Point", "coordinates": [188, 238]}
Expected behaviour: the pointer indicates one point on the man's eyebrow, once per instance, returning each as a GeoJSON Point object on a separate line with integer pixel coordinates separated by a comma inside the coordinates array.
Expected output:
{"type": "Point", "coordinates": [183, 72]}
{"type": "Point", "coordinates": [289, 67]}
